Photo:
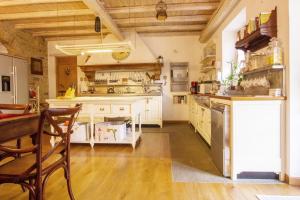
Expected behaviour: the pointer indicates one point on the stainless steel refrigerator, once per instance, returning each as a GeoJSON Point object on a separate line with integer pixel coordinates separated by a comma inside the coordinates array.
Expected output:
{"type": "Point", "coordinates": [14, 80]}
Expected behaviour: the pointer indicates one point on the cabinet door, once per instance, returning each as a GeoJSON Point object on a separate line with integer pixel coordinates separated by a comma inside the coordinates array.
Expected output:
{"type": "Point", "coordinates": [21, 74]}
{"type": "Point", "coordinates": [7, 79]}
{"type": "Point", "coordinates": [199, 119]}
{"type": "Point", "coordinates": [143, 114]}
{"type": "Point", "coordinates": [152, 112]}
{"type": "Point", "coordinates": [207, 125]}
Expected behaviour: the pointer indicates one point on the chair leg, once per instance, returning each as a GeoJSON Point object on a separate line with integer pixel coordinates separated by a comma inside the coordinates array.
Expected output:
{"type": "Point", "coordinates": [31, 189]}
{"type": "Point", "coordinates": [18, 147]}
{"type": "Point", "coordinates": [68, 178]}
{"type": "Point", "coordinates": [23, 188]}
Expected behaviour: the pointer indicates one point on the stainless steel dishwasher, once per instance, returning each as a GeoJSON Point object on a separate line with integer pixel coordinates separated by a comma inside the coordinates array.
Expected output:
{"type": "Point", "coordinates": [220, 130]}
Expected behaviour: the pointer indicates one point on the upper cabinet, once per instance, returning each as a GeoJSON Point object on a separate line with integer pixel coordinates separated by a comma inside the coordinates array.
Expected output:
{"type": "Point", "coordinates": [263, 28]}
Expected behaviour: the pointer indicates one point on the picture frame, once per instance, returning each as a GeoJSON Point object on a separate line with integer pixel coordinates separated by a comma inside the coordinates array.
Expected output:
{"type": "Point", "coordinates": [36, 66]}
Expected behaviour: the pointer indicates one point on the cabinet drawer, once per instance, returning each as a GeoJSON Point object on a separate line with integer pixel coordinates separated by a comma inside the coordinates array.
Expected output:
{"type": "Point", "coordinates": [120, 109]}
{"type": "Point", "coordinates": [102, 109]}
{"type": "Point", "coordinates": [86, 109]}
{"type": "Point", "coordinates": [61, 105]}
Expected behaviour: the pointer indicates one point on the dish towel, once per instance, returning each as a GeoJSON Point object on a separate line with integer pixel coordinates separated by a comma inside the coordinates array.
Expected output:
{"type": "Point", "coordinates": [277, 197]}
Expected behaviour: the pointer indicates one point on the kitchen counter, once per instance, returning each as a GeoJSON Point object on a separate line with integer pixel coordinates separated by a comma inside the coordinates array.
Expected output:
{"type": "Point", "coordinates": [244, 98]}
{"type": "Point", "coordinates": [121, 95]}
{"type": "Point", "coordinates": [96, 99]}
{"type": "Point", "coordinates": [252, 119]}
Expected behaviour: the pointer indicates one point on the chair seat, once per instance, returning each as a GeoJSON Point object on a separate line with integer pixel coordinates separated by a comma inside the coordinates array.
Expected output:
{"type": "Point", "coordinates": [20, 165]}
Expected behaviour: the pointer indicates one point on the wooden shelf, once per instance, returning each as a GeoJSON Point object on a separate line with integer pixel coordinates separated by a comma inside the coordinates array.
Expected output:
{"type": "Point", "coordinates": [122, 67]}
{"type": "Point", "coordinates": [208, 58]}
{"type": "Point", "coordinates": [207, 69]}
{"type": "Point", "coordinates": [261, 37]}
{"type": "Point", "coordinates": [262, 69]}
{"type": "Point", "coordinates": [127, 85]}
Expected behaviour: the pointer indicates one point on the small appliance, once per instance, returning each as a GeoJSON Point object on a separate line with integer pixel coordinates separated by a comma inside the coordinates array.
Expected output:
{"type": "Point", "coordinates": [206, 87]}
{"type": "Point", "coordinates": [194, 87]}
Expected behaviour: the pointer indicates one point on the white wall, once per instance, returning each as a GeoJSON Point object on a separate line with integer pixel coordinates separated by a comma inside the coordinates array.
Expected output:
{"type": "Point", "coordinates": [176, 49]}
{"type": "Point", "coordinates": [293, 115]}
{"type": "Point", "coordinates": [172, 48]}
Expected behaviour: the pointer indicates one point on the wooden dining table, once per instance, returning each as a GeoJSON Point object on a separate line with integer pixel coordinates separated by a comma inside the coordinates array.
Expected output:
{"type": "Point", "coordinates": [17, 125]}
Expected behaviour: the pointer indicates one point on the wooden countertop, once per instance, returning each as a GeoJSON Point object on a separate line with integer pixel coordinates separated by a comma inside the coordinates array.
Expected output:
{"type": "Point", "coordinates": [244, 98]}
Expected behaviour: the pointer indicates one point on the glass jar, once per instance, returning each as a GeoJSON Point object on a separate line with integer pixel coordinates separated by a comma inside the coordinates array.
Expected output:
{"type": "Point", "coordinates": [276, 52]}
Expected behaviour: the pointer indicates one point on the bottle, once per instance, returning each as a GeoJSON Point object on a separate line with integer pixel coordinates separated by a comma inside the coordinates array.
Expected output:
{"type": "Point", "coordinates": [277, 53]}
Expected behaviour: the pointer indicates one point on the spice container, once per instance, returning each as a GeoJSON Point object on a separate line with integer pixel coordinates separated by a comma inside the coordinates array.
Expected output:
{"type": "Point", "coordinates": [256, 61]}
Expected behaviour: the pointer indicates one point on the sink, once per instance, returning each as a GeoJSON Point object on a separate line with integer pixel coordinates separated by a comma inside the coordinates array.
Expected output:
{"type": "Point", "coordinates": [203, 100]}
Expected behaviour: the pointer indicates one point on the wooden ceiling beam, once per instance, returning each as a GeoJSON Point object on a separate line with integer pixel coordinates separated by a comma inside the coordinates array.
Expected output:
{"type": "Point", "coordinates": [72, 37]}
{"type": "Point", "coordinates": [149, 29]}
{"type": "Point", "coordinates": [141, 20]}
{"type": "Point", "coordinates": [127, 21]}
{"type": "Point", "coordinates": [225, 8]}
{"type": "Point", "coordinates": [67, 32]}
{"type": "Point", "coordinates": [171, 7]}
{"type": "Point", "coordinates": [99, 10]}
{"type": "Point", "coordinates": [39, 25]}
{"type": "Point", "coordinates": [175, 33]}
{"type": "Point", "coordinates": [28, 2]}
{"type": "Point", "coordinates": [41, 14]}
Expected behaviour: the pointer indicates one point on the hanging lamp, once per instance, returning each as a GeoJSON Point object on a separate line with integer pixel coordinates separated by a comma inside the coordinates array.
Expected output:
{"type": "Point", "coordinates": [161, 11]}
{"type": "Point", "coordinates": [98, 25]}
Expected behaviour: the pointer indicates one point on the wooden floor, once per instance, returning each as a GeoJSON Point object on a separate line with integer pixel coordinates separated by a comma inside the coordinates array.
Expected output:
{"type": "Point", "coordinates": [118, 172]}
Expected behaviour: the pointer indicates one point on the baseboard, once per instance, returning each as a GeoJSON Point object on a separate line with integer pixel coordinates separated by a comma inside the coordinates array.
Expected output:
{"type": "Point", "coordinates": [292, 180]}
{"type": "Point", "coordinates": [175, 121]}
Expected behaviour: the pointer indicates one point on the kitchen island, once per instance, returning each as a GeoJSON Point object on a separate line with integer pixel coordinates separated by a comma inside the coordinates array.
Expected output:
{"type": "Point", "coordinates": [94, 109]}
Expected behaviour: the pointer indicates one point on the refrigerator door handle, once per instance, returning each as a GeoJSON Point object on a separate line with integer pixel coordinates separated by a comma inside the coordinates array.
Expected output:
{"type": "Point", "coordinates": [14, 84]}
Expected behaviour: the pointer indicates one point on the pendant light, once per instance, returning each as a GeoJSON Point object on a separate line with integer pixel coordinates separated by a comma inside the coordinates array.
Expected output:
{"type": "Point", "coordinates": [97, 24]}
{"type": "Point", "coordinates": [161, 11]}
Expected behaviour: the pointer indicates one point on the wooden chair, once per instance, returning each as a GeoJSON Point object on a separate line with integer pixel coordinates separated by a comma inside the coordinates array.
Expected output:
{"type": "Point", "coordinates": [24, 109]}
{"type": "Point", "coordinates": [34, 169]}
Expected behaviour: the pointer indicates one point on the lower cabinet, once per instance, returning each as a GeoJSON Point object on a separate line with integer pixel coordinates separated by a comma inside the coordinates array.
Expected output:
{"type": "Point", "coordinates": [152, 110]}
{"type": "Point", "coordinates": [200, 118]}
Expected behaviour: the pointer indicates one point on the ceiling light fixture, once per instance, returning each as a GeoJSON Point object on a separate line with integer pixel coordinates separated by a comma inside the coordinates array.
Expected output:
{"type": "Point", "coordinates": [82, 49]}
{"type": "Point", "coordinates": [161, 11]}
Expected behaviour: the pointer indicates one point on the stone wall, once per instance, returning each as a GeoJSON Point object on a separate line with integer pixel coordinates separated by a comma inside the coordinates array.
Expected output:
{"type": "Point", "coordinates": [23, 44]}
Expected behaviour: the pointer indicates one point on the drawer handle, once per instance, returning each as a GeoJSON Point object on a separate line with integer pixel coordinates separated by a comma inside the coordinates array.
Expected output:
{"type": "Point", "coordinates": [122, 109]}
{"type": "Point", "coordinates": [101, 109]}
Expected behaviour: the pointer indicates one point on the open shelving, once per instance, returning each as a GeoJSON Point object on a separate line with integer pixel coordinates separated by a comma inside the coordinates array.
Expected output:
{"type": "Point", "coordinates": [261, 37]}
{"type": "Point", "coordinates": [263, 69]}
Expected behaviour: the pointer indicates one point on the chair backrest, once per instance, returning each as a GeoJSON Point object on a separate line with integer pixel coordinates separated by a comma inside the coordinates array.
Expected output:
{"type": "Point", "coordinates": [62, 130]}
{"type": "Point", "coordinates": [25, 108]}
{"type": "Point", "coordinates": [61, 120]}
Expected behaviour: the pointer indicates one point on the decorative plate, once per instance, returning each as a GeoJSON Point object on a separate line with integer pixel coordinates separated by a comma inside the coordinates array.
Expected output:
{"type": "Point", "coordinates": [120, 55]}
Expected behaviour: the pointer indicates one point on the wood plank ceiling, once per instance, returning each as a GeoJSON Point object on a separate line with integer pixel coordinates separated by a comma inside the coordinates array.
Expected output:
{"type": "Point", "coordinates": [65, 19]}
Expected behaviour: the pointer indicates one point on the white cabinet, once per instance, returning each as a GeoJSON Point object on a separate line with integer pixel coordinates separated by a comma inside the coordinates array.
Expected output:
{"type": "Point", "coordinates": [200, 118]}
{"type": "Point", "coordinates": [153, 110]}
